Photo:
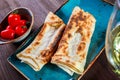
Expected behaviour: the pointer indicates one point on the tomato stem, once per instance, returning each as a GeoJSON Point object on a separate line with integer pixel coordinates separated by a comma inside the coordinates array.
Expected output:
{"type": "Point", "coordinates": [15, 12]}
{"type": "Point", "coordinates": [24, 26]}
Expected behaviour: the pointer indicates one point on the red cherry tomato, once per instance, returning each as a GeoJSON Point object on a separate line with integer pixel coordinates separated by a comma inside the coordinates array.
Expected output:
{"type": "Point", "coordinates": [20, 30]}
{"type": "Point", "coordinates": [22, 22]}
{"type": "Point", "coordinates": [9, 27]}
{"type": "Point", "coordinates": [8, 34]}
{"type": "Point", "coordinates": [13, 19]}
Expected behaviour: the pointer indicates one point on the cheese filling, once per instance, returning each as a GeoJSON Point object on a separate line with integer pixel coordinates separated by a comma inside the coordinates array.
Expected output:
{"type": "Point", "coordinates": [73, 44]}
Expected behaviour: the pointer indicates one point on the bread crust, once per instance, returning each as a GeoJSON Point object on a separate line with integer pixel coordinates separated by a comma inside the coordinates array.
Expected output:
{"type": "Point", "coordinates": [74, 44]}
{"type": "Point", "coordinates": [39, 52]}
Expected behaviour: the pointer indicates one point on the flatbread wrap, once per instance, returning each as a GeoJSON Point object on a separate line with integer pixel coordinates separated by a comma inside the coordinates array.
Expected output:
{"type": "Point", "coordinates": [39, 52]}
{"type": "Point", "coordinates": [74, 44]}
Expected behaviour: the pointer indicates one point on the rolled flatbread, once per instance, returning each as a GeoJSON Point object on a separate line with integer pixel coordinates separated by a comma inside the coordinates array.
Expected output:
{"type": "Point", "coordinates": [74, 44]}
{"type": "Point", "coordinates": [39, 52]}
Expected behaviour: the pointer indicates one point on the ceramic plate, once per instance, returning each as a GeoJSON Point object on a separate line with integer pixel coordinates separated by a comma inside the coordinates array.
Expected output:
{"type": "Point", "coordinates": [100, 10]}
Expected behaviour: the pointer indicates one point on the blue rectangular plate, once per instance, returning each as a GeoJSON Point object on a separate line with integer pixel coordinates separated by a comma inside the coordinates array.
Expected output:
{"type": "Point", "coordinates": [100, 10]}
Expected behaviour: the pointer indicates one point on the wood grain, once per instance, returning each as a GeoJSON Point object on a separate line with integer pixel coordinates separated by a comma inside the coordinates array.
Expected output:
{"type": "Point", "coordinates": [40, 8]}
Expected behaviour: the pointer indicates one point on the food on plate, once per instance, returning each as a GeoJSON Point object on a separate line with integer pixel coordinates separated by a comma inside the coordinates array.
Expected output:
{"type": "Point", "coordinates": [39, 52]}
{"type": "Point", "coordinates": [74, 44]}
{"type": "Point", "coordinates": [16, 27]}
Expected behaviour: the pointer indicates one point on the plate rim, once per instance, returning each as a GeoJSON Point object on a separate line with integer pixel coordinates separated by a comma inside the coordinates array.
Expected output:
{"type": "Point", "coordinates": [17, 69]}
{"type": "Point", "coordinates": [91, 63]}
{"type": "Point", "coordinates": [80, 76]}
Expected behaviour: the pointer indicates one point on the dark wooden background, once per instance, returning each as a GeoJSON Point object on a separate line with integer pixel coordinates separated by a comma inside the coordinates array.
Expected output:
{"type": "Point", "coordinates": [98, 71]}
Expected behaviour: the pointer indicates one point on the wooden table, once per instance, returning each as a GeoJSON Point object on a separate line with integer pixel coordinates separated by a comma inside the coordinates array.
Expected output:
{"type": "Point", "coordinates": [98, 71]}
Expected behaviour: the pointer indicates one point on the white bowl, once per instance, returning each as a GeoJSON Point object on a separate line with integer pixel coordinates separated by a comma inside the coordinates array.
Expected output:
{"type": "Point", "coordinates": [26, 14]}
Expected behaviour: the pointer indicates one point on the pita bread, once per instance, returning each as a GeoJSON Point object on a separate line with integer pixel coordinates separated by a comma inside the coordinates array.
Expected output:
{"type": "Point", "coordinates": [74, 44]}
{"type": "Point", "coordinates": [39, 52]}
